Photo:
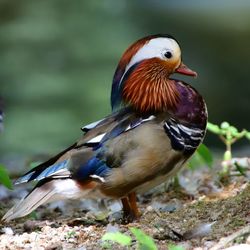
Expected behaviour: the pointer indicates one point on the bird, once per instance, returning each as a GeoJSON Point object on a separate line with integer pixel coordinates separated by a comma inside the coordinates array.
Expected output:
{"type": "Point", "coordinates": [156, 124]}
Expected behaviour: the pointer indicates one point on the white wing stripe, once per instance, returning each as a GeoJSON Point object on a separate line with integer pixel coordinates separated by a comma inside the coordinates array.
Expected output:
{"type": "Point", "coordinates": [91, 125]}
{"type": "Point", "coordinates": [97, 139]}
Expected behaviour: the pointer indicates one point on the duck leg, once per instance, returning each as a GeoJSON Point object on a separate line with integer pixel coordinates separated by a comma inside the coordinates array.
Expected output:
{"type": "Point", "coordinates": [133, 205]}
{"type": "Point", "coordinates": [130, 209]}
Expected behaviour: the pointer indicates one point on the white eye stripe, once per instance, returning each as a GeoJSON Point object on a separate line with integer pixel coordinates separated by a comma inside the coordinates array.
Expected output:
{"type": "Point", "coordinates": [156, 47]}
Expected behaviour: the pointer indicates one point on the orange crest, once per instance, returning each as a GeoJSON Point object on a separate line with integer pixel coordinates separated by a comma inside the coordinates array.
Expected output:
{"type": "Point", "coordinates": [131, 51]}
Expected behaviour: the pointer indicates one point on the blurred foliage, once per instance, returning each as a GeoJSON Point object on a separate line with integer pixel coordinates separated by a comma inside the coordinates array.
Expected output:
{"type": "Point", "coordinates": [116, 237]}
{"type": "Point", "coordinates": [175, 247]}
{"type": "Point", "coordinates": [202, 156]}
{"type": "Point", "coordinates": [228, 134]}
{"type": "Point", "coordinates": [4, 177]}
{"type": "Point", "coordinates": [144, 241]}
{"type": "Point", "coordinates": [58, 58]}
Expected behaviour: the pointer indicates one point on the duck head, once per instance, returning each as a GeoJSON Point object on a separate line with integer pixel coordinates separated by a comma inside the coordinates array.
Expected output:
{"type": "Point", "coordinates": [142, 75]}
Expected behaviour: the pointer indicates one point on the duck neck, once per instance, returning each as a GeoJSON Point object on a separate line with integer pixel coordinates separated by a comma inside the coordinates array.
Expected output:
{"type": "Point", "coordinates": [191, 107]}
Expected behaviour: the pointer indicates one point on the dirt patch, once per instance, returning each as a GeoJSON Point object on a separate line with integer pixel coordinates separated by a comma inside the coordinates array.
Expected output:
{"type": "Point", "coordinates": [201, 220]}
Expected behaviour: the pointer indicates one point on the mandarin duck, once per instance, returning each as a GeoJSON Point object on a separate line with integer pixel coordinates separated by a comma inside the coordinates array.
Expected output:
{"type": "Point", "coordinates": [157, 123]}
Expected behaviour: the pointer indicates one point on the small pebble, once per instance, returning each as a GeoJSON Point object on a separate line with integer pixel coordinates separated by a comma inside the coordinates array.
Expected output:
{"type": "Point", "coordinates": [149, 209]}
{"type": "Point", "coordinates": [7, 230]}
{"type": "Point", "coordinates": [112, 228]}
{"type": "Point", "coordinates": [30, 225]}
{"type": "Point", "coordinates": [166, 207]}
{"type": "Point", "coordinates": [115, 206]}
{"type": "Point", "coordinates": [81, 248]}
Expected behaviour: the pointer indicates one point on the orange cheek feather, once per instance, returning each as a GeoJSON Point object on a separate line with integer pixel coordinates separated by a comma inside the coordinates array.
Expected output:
{"type": "Point", "coordinates": [149, 89]}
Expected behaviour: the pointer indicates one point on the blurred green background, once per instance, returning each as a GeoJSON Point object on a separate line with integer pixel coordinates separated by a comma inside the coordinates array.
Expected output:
{"type": "Point", "coordinates": [57, 59]}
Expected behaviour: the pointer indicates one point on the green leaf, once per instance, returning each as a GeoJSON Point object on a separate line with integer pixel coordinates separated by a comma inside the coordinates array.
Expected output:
{"type": "Point", "coordinates": [33, 215]}
{"type": "Point", "coordinates": [174, 247]}
{"type": "Point", "coordinates": [225, 125]}
{"type": "Point", "coordinates": [145, 242]}
{"type": "Point", "coordinates": [195, 162]}
{"type": "Point", "coordinates": [240, 169]}
{"type": "Point", "coordinates": [248, 135]}
{"type": "Point", "coordinates": [4, 178]}
{"type": "Point", "coordinates": [233, 130]}
{"type": "Point", "coordinates": [117, 237]}
{"type": "Point", "coordinates": [205, 155]}
{"type": "Point", "coordinates": [213, 128]}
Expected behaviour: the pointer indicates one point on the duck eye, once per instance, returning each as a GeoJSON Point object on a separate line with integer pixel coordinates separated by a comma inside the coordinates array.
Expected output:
{"type": "Point", "coordinates": [168, 54]}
